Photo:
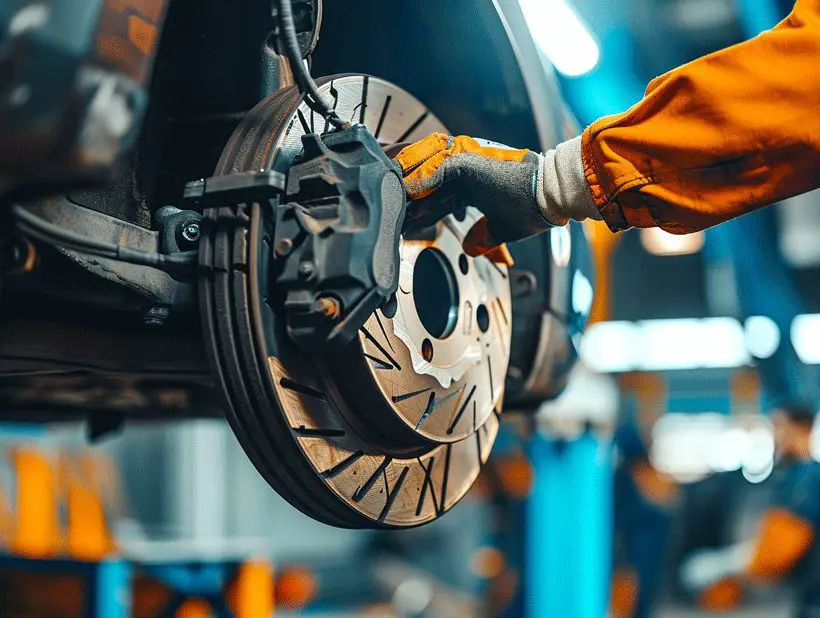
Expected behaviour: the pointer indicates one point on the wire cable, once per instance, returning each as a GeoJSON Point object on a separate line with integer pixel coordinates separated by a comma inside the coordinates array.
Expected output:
{"type": "Point", "coordinates": [45, 231]}
{"type": "Point", "coordinates": [307, 87]}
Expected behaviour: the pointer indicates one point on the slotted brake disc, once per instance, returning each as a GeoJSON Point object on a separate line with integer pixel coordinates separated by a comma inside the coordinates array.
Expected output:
{"type": "Point", "coordinates": [391, 430]}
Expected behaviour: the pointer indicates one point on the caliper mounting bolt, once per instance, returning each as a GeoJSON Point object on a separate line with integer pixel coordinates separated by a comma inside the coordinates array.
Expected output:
{"type": "Point", "coordinates": [306, 270]}
{"type": "Point", "coordinates": [328, 307]}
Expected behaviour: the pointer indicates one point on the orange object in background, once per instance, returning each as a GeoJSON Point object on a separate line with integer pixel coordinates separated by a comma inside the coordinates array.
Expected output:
{"type": "Point", "coordinates": [487, 562]}
{"type": "Point", "coordinates": [745, 390]}
{"type": "Point", "coordinates": [194, 608]}
{"type": "Point", "coordinates": [295, 587]}
{"type": "Point", "coordinates": [252, 591]}
{"type": "Point", "coordinates": [651, 393]}
{"type": "Point", "coordinates": [722, 596]}
{"type": "Point", "coordinates": [623, 597]}
{"type": "Point", "coordinates": [37, 527]}
{"type": "Point", "coordinates": [515, 474]}
{"type": "Point", "coordinates": [142, 34]}
{"type": "Point", "coordinates": [6, 520]}
{"type": "Point", "coordinates": [89, 536]}
{"type": "Point", "coordinates": [784, 538]}
{"type": "Point", "coordinates": [655, 487]}
{"type": "Point", "coordinates": [604, 243]}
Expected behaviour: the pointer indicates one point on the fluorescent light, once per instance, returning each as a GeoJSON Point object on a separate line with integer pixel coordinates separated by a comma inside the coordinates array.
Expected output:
{"type": "Point", "coordinates": [806, 337]}
{"type": "Point", "coordinates": [814, 442]}
{"type": "Point", "coordinates": [762, 336]}
{"type": "Point", "coordinates": [561, 245]}
{"type": "Point", "coordinates": [755, 477]}
{"type": "Point", "coordinates": [561, 35]}
{"type": "Point", "coordinates": [658, 242]}
{"type": "Point", "coordinates": [690, 343]}
{"type": "Point", "coordinates": [729, 449]}
{"type": "Point", "coordinates": [610, 346]}
{"type": "Point", "coordinates": [760, 450]}
{"type": "Point", "coordinates": [689, 447]}
{"type": "Point", "coordinates": [663, 345]}
{"type": "Point", "coordinates": [582, 294]}
{"type": "Point", "coordinates": [669, 344]}
{"type": "Point", "coordinates": [722, 343]}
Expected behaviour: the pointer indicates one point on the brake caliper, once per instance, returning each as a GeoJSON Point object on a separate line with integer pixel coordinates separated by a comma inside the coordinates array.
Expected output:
{"type": "Point", "coordinates": [337, 236]}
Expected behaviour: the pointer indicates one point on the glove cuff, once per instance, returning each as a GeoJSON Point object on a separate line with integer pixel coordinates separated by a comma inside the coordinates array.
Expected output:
{"type": "Point", "coordinates": [562, 191]}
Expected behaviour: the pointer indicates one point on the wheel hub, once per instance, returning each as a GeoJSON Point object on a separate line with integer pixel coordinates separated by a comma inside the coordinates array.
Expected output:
{"type": "Point", "coordinates": [450, 337]}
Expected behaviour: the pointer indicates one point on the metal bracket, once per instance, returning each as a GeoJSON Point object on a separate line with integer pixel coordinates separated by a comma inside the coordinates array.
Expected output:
{"type": "Point", "coordinates": [241, 188]}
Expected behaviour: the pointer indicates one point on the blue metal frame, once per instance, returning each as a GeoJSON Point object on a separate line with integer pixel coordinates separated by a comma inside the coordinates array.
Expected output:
{"type": "Point", "coordinates": [109, 592]}
{"type": "Point", "coordinates": [569, 528]}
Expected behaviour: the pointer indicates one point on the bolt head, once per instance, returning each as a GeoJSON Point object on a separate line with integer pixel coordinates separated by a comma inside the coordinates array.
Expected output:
{"type": "Point", "coordinates": [306, 269]}
{"type": "Point", "coordinates": [327, 307]}
{"type": "Point", "coordinates": [156, 316]}
{"type": "Point", "coordinates": [190, 231]}
{"type": "Point", "coordinates": [284, 247]}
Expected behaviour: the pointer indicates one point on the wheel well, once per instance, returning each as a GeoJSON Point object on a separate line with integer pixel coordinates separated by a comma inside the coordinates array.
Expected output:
{"type": "Point", "coordinates": [454, 56]}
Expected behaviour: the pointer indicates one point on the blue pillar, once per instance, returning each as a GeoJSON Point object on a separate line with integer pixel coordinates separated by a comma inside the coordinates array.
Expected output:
{"type": "Point", "coordinates": [569, 528]}
{"type": "Point", "coordinates": [109, 591]}
{"type": "Point", "coordinates": [765, 286]}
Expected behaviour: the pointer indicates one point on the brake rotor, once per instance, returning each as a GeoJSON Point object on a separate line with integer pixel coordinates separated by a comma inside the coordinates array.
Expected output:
{"type": "Point", "coordinates": [392, 430]}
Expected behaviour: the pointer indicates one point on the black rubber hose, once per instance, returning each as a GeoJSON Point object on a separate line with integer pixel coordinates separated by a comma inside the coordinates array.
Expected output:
{"type": "Point", "coordinates": [307, 87]}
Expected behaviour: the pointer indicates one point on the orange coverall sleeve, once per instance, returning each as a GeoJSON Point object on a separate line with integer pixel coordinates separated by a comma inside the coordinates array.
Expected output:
{"type": "Point", "coordinates": [715, 138]}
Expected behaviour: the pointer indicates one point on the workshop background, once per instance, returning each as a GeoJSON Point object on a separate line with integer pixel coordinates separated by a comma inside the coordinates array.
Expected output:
{"type": "Point", "coordinates": [696, 340]}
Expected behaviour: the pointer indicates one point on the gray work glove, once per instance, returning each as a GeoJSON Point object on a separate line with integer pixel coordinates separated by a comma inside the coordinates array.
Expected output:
{"type": "Point", "coordinates": [520, 192]}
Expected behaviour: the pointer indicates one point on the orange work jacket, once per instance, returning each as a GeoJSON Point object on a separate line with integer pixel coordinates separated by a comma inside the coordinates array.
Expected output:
{"type": "Point", "coordinates": [717, 137]}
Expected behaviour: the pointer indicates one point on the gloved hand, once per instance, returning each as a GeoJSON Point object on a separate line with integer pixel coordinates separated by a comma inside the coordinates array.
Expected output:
{"type": "Point", "coordinates": [520, 192]}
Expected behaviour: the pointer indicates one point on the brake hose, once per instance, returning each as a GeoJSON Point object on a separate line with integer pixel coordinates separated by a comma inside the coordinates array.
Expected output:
{"type": "Point", "coordinates": [290, 48]}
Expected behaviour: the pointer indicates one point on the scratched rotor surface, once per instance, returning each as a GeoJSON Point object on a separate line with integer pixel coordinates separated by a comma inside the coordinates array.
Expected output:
{"type": "Point", "coordinates": [393, 430]}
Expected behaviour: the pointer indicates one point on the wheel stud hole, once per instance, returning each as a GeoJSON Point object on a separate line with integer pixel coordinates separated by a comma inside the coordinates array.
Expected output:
{"type": "Point", "coordinates": [482, 316]}
{"type": "Point", "coordinates": [427, 350]}
{"type": "Point", "coordinates": [463, 264]}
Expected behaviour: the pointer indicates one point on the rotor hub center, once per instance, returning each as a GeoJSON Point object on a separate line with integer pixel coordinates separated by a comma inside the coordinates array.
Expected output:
{"type": "Point", "coordinates": [436, 298]}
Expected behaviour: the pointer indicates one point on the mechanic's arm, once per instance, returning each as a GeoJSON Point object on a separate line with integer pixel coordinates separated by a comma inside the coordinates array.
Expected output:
{"type": "Point", "coordinates": [711, 140]}
{"type": "Point", "coordinates": [715, 138]}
